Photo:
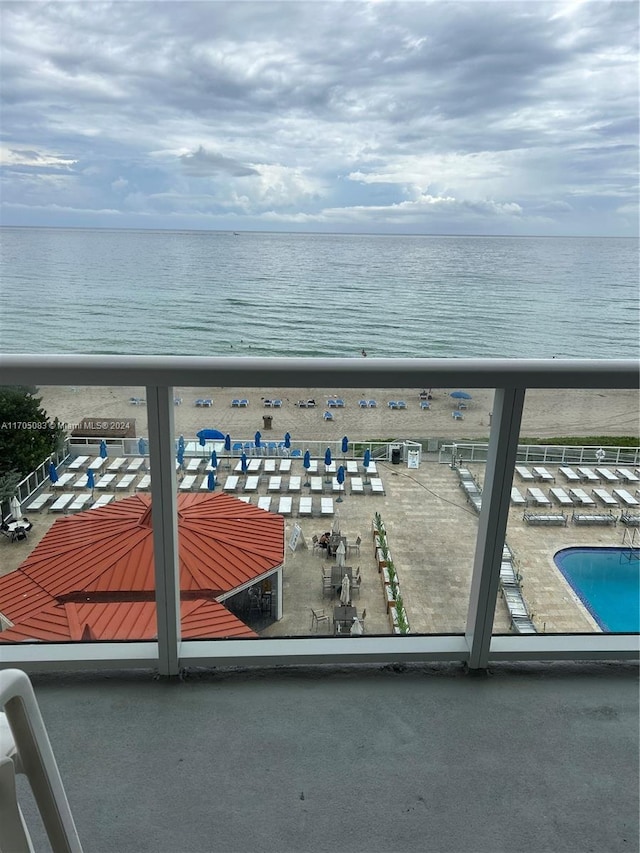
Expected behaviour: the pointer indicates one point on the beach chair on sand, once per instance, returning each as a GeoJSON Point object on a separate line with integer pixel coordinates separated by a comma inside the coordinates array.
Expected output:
{"type": "Point", "coordinates": [327, 416]}
{"type": "Point", "coordinates": [456, 415]}
{"type": "Point", "coordinates": [373, 404]}
{"type": "Point", "coordinates": [306, 506]}
{"type": "Point", "coordinates": [363, 404]}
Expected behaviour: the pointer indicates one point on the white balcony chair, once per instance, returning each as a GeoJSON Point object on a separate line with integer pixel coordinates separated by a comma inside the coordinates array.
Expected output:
{"type": "Point", "coordinates": [25, 748]}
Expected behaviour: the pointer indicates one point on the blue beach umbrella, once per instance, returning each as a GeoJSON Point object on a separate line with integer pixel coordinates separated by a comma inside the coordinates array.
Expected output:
{"type": "Point", "coordinates": [53, 474]}
{"type": "Point", "coordinates": [202, 441]}
{"type": "Point", "coordinates": [180, 456]}
{"type": "Point", "coordinates": [366, 460]}
{"type": "Point", "coordinates": [91, 480]}
{"type": "Point", "coordinates": [142, 446]}
{"type": "Point", "coordinates": [287, 440]}
{"type": "Point", "coordinates": [307, 464]}
{"type": "Point", "coordinates": [345, 444]}
{"type": "Point", "coordinates": [211, 481]}
{"type": "Point", "coordinates": [460, 395]}
{"type": "Point", "coordinates": [327, 456]}
{"type": "Point", "coordinates": [257, 438]}
{"type": "Point", "coordinates": [181, 442]}
{"type": "Point", "coordinates": [103, 449]}
{"type": "Point", "coordinates": [340, 479]}
{"type": "Point", "coordinates": [214, 459]}
{"type": "Point", "coordinates": [243, 463]}
{"type": "Point", "coordinates": [227, 443]}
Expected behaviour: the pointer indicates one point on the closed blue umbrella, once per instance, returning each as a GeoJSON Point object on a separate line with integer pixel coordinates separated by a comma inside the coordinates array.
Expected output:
{"type": "Point", "coordinates": [366, 461]}
{"type": "Point", "coordinates": [287, 440]}
{"type": "Point", "coordinates": [91, 480]}
{"type": "Point", "coordinates": [142, 446]}
{"type": "Point", "coordinates": [307, 464]}
{"type": "Point", "coordinates": [214, 459]}
{"type": "Point", "coordinates": [202, 441]}
{"type": "Point", "coordinates": [243, 463]}
{"type": "Point", "coordinates": [227, 443]}
{"type": "Point", "coordinates": [345, 444]}
{"type": "Point", "coordinates": [327, 456]}
{"type": "Point", "coordinates": [103, 449]}
{"type": "Point", "coordinates": [53, 474]}
{"type": "Point", "coordinates": [181, 442]}
{"type": "Point", "coordinates": [211, 481]}
{"type": "Point", "coordinates": [180, 455]}
{"type": "Point", "coordinates": [340, 479]}
{"type": "Point", "coordinates": [257, 438]}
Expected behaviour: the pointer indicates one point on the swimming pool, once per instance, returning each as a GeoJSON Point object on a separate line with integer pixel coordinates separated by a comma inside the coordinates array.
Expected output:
{"type": "Point", "coordinates": [607, 581]}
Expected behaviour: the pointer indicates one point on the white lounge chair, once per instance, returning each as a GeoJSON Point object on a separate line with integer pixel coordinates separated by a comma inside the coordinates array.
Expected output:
{"type": "Point", "coordinates": [316, 484]}
{"type": "Point", "coordinates": [284, 505]}
{"type": "Point", "coordinates": [81, 482]}
{"type": "Point", "coordinates": [352, 466]}
{"type": "Point", "coordinates": [337, 487]}
{"type": "Point", "coordinates": [625, 497]}
{"type": "Point", "coordinates": [135, 465]}
{"type": "Point", "coordinates": [251, 483]}
{"type": "Point", "coordinates": [604, 497]}
{"type": "Point", "coordinates": [187, 483]}
{"type": "Point", "coordinates": [560, 496]}
{"type": "Point", "coordinates": [125, 482]}
{"type": "Point", "coordinates": [106, 481]}
{"type": "Point", "coordinates": [326, 506]}
{"type": "Point", "coordinates": [38, 503]}
{"type": "Point", "coordinates": [77, 463]}
{"type": "Point", "coordinates": [357, 486]}
{"type": "Point", "coordinates": [517, 499]}
{"type": "Point", "coordinates": [524, 473]}
{"type": "Point", "coordinates": [371, 468]}
{"type": "Point", "coordinates": [103, 500]}
{"type": "Point", "coordinates": [63, 481]}
{"type": "Point", "coordinates": [62, 502]}
{"type": "Point", "coordinates": [377, 487]}
{"type": "Point", "coordinates": [193, 465]}
{"type": "Point", "coordinates": [538, 497]}
{"type": "Point", "coordinates": [144, 484]}
{"type": "Point", "coordinates": [580, 497]}
{"type": "Point", "coordinates": [285, 466]}
{"type": "Point", "coordinates": [116, 464]}
{"type": "Point", "coordinates": [569, 474]}
{"type": "Point", "coordinates": [264, 503]}
{"type": "Point", "coordinates": [231, 483]}
{"type": "Point", "coordinates": [306, 506]}
{"type": "Point", "coordinates": [79, 502]}
{"type": "Point", "coordinates": [98, 463]}
{"type": "Point", "coordinates": [587, 475]}
{"type": "Point", "coordinates": [313, 466]}
{"type": "Point", "coordinates": [541, 473]}
{"type": "Point", "coordinates": [627, 475]}
{"type": "Point", "coordinates": [295, 483]}
{"type": "Point", "coordinates": [275, 483]}
{"type": "Point", "coordinates": [330, 469]}
{"type": "Point", "coordinates": [607, 475]}
{"type": "Point", "coordinates": [269, 466]}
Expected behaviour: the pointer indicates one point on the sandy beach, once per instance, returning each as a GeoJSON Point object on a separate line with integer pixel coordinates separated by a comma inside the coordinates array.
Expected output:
{"type": "Point", "coordinates": [547, 413]}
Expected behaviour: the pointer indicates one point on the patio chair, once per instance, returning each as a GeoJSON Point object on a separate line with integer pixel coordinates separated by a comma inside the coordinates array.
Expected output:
{"type": "Point", "coordinates": [316, 543]}
{"type": "Point", "coordinates": [355, 547]}
{"type": "Point", "coordinates": [318, 616]}
{"type": "Point", "coordinates": [327, 416]}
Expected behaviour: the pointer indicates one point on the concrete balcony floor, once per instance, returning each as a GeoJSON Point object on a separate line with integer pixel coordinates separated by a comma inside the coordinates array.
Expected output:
{"type": "Point", "coordinates": [528, 758]}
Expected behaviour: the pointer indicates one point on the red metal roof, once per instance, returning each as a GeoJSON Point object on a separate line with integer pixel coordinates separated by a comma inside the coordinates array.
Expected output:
{"type": "Point", "coordinates": [127, 620]}
{"type": "Point", "coordinates": [223, 544]}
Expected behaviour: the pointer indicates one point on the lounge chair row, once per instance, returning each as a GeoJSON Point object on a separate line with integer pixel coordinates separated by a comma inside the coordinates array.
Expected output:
{"type": "Point", "coordinates": [275, 483]}
{"type": "Point", "coordinates": [559, 519]}
{"type": "Point", "coordinates": [510, 586]}
{"type": "Point", "coordinates": [581, 474]}
{"type": "Point", "coordinates": [573, 497]}
{"type": "Point", "coordinates": [111, 466]}
{"type": "Point", "coordinates": [471, 489]}
{"type": "Point", "coordinates": [69, 502]}
{"type": "Point", "coordinates": [284, 505]}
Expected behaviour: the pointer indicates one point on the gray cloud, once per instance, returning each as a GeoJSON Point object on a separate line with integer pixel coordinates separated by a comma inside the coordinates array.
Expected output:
{"type": "Point", "coordinates": [276, 112]}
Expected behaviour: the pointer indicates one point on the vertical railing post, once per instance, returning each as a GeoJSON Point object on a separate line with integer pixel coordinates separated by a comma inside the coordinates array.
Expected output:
{"type": "Point", "coordinates": [164, 517]}
{"type": "Point", "coordinates": [496, 496]}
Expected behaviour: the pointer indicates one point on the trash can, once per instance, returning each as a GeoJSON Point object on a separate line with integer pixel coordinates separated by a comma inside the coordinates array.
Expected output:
{"type": "Point", "coordinates": [395, 455]}
{"type": "Point", "coordinates": [267, 421]}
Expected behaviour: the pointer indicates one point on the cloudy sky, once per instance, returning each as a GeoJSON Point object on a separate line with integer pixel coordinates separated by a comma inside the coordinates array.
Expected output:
{"type": "Point", "coordinates": [414, 117]}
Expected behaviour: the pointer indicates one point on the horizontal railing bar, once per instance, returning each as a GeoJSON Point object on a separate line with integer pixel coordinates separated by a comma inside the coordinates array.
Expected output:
{"type": "Point", "coordinates": [565, 647]}
{"type": "Point", "coordinates": [316, 372]}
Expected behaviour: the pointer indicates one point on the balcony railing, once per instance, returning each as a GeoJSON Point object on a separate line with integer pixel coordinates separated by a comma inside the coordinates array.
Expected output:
{"type": "Point", "coordinates": [477, 647]}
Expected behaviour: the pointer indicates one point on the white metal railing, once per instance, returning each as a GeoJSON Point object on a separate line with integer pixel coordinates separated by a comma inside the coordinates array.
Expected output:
{"type": "Point", "coordinates": [477, 647]}
{"type": "Point", "coordinates": [560, 454]}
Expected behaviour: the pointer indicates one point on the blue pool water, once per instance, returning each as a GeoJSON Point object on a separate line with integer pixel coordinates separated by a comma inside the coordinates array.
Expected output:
{"type": "Point", "coordinates": [607, 581]}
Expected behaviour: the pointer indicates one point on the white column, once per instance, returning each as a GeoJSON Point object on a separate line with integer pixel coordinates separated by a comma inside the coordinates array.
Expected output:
{"type": "Point", "coordinates": [496, 496]}
{"type": "Point", "coordinates": [164, 517]}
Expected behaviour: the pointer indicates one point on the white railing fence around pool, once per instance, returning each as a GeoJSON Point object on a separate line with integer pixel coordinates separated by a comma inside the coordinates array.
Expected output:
{"type": "Point", "coordinates": [477, 646]}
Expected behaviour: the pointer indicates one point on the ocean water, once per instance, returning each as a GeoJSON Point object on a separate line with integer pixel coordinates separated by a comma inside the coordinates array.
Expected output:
{"type": "Point", "coordinates": [219, 293]}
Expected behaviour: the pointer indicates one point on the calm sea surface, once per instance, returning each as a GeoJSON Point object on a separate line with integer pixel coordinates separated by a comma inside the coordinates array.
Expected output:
{"type": "Point", "coordinates": [216, 293]}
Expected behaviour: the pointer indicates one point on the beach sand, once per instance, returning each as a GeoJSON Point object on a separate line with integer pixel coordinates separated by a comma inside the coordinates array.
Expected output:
{"type": "Point", "coordinates": [547, 413]}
